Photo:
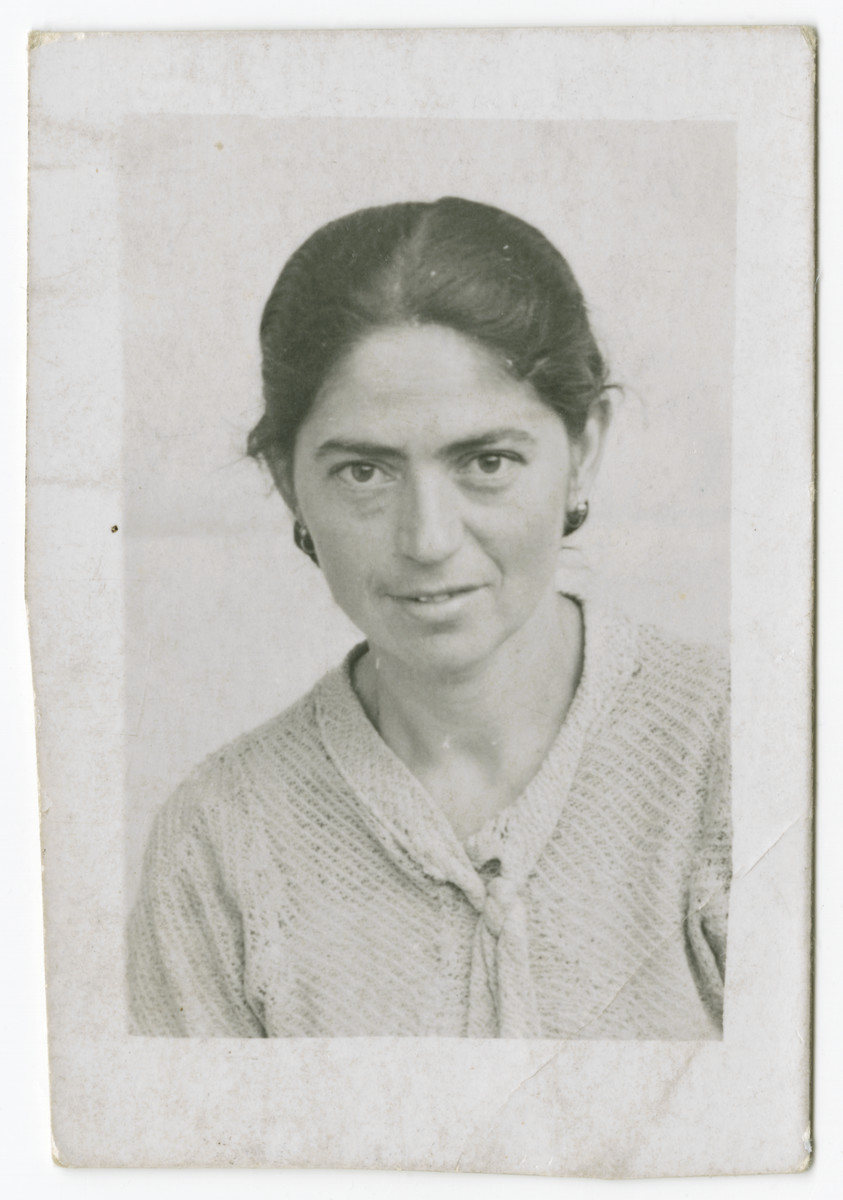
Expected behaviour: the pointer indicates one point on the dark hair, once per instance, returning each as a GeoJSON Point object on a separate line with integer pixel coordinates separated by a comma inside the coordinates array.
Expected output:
{"type": "Point", "coordinates": [468, 266]}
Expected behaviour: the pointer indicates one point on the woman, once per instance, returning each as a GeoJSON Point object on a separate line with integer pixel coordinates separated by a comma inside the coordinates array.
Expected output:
{"type": "Point", "coordinates": [506, 814]}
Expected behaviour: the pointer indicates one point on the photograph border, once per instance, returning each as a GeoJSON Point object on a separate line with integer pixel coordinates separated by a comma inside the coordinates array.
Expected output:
{"type": "Point", "coordinates": [772, 652]}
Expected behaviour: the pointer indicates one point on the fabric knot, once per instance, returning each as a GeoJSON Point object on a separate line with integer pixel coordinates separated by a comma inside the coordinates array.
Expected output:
{"type": "Point", "coordinates": [502, 998]}
{"type": "Point", "coordinates": [501, 894]}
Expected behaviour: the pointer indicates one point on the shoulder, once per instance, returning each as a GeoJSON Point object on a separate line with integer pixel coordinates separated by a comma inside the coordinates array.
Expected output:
{"type": "Point", "coordinates": [674, 691]}
{"type": "Point", "coordinates": [687, 672]}
{"type": "Point", "coordinates": [214, 806]}
{"type": "Point", "coordinates": [662, 745]}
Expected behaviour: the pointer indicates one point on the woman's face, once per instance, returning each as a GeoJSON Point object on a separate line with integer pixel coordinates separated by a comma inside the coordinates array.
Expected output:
{"type": "Point", "coordinates": [434, 487]}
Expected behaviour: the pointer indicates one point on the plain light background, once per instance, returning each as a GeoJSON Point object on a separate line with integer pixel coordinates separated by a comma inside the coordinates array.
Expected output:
{"type": "Point", "coordinates": [227, 622]}
{"type": "Point", "coordinates": [24, 1126]}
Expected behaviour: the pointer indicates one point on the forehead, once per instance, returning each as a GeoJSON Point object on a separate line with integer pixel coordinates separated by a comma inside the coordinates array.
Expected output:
{"type": "Point", "coordinates": [423, 383]}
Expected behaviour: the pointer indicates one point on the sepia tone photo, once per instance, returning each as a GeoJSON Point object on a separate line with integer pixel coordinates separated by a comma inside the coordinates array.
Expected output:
{"type": "Point", "coordinates": [433, 471]}
{"type": "Point", "coordinates": [506, 813]}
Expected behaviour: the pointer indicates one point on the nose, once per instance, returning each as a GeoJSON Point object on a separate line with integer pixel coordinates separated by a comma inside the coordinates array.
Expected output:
{"type": "Point", "coordinates": [429, 522]}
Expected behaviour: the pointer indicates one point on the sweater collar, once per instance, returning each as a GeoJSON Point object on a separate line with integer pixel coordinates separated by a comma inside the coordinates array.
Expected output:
{"type": "Point", "coordinates": [406, 820]}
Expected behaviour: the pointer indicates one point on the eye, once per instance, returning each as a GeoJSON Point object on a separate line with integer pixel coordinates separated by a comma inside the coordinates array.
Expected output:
{"type": "Point", "coordinates": [496, 466]}
{"type": "Point", "coordinates": [359, 474]}
{"type": "Point", "coordinates": [490, 464]}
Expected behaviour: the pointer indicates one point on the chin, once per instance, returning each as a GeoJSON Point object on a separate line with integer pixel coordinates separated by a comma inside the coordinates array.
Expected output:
{"type": "Point", "coordinates": [450, 652]}
{"type": "Point", "coordinates": [450, 638]}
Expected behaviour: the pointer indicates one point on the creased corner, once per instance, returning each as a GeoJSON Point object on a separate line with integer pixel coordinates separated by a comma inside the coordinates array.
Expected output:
{"type": "Point", "coordinates": [796, 821]}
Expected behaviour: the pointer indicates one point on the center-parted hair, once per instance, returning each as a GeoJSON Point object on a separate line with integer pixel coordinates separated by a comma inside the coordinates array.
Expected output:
{"type": "Point", "coordinates": [467, 266]}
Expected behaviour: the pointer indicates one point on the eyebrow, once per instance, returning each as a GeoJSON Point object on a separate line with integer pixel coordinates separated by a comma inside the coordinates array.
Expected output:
{"type": "Point", "coordinates": [454, 449]}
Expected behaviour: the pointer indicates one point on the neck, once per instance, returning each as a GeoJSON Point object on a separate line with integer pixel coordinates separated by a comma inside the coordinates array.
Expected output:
{"type": "Point", "coordinates": [493, 712]}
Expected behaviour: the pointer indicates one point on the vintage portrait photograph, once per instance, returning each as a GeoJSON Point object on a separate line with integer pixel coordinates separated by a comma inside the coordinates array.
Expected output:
{"type": "Point", "coordinates": [420, 550]}
{"type": "Point", "coordinates": [505, 810]}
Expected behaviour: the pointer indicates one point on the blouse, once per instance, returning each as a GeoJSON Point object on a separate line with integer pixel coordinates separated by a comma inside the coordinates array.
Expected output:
{"type": "Point", "coordinates": [302, 883]}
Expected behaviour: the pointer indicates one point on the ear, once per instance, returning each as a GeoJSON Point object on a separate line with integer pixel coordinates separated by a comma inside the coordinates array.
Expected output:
{"type": "Point", "coordinates": [281, 469]}
{"type": "Point", "coordinates": [587, 451]}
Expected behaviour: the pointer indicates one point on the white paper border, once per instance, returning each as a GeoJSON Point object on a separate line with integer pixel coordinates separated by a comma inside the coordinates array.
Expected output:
{"type": "Point", "coordinates": [751, 543]}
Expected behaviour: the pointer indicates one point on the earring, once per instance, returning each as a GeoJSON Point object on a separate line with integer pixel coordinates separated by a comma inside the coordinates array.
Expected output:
{"type": "Point", "coordinates": [575, 517]}
{"type": "Point", "coordinates": [304, 541]}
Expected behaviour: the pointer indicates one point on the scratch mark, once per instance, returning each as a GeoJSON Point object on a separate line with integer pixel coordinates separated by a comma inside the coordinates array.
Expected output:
{"type": "Point", "coordinates": [772, 845]}
{"type": "Point", "coordinates": [143, 693]}
{"type": "Point", "coordinates": [522, 1083]}
{"type": "Point", "coordinates": [666, 937]}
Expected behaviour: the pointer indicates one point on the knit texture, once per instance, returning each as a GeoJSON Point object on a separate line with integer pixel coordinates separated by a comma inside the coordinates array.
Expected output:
{"type": "Point", "coordinates": [301, 882]}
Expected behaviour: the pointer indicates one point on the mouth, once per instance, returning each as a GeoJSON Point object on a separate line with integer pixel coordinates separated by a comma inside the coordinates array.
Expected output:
{"type": "Point", "coordinates": [439, 596]}
{"type": "Point", "coordinates": [437, 604]}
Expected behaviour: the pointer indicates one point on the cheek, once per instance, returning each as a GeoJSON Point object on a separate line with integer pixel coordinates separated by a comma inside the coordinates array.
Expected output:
{"type": "Point", "coordinates": [535, 526]}
{"type": "Point", "coordinates": [535, 554]}
{"type": "Point", "coordinates": [351, 557]}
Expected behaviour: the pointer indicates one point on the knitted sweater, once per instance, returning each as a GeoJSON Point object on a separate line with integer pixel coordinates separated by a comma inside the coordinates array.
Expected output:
{"type": "Point", "coordinates": [301, 882]}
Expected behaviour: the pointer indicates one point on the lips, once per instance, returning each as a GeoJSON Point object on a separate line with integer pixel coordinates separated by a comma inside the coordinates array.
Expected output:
{"type": "Point", "coordinates": [439, 596]}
